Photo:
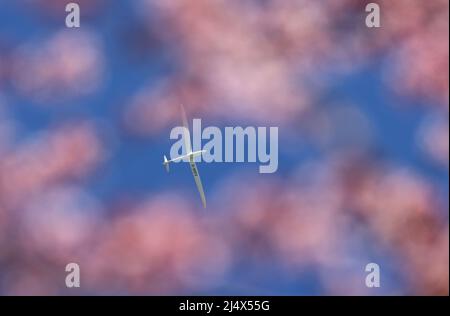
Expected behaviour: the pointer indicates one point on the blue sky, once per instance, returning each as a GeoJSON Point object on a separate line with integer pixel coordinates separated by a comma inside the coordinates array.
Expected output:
{"type": "Point", "coordinates": [135, 163]}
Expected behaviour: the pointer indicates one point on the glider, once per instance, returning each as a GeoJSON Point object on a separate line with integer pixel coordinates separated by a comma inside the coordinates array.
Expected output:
{"type": "Point", "coordinates": [191, 154]}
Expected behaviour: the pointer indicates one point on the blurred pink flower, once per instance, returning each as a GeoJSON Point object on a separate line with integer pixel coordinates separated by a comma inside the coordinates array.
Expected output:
{"type": "Point", "coordinates": [67, 65]}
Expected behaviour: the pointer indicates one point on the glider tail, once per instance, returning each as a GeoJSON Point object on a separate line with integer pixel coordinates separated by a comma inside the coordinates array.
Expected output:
{"type": "Point", "coordinates": [166, 163]}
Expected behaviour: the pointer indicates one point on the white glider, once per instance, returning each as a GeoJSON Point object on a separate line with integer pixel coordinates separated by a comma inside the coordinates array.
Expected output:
{"type": "Point", "coordinates": [191, 154]}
